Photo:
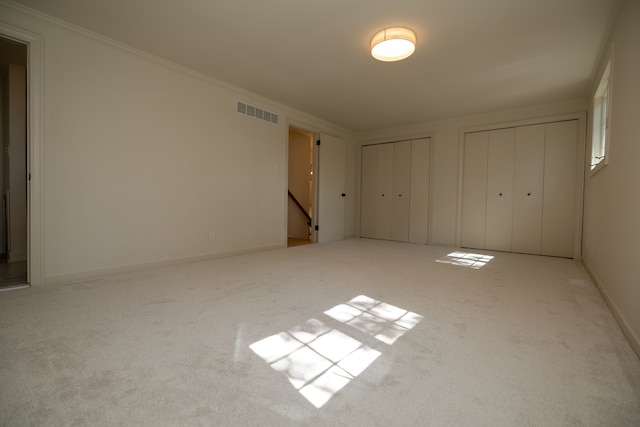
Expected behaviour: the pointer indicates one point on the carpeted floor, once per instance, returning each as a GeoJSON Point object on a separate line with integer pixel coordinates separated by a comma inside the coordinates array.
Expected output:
{"type": "Point", "coordinates": [357, 332]}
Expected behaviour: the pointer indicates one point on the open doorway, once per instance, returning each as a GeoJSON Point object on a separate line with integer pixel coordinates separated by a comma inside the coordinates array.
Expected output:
{"type": "Point", "coordinates": [13, 164]}
{"type": "Point", "coordinates": [300, 229]}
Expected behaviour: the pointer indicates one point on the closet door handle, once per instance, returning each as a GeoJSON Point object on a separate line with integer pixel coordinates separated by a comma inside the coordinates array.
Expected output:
{"type": "Point", "coordinates": [500, 194]}
{"type": "Point", "coordinates": [528, 194]}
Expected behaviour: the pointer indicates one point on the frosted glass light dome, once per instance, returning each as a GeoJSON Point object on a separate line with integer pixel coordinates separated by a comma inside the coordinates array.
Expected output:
{"type": "Point", "coordinates": [393, 44]}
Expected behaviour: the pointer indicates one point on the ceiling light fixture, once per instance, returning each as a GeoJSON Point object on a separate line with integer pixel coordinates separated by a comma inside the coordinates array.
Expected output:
{"type": "Point", "coordinates": [393, 44]}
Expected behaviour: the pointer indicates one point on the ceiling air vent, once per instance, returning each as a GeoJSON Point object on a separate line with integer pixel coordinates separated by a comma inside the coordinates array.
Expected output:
{"type": "Point", "coordinates": [257, 113]}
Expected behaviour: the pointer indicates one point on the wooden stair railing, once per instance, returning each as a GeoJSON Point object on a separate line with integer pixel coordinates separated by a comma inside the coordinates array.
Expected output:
{"type": "Point", "coordinates": [302, 209]}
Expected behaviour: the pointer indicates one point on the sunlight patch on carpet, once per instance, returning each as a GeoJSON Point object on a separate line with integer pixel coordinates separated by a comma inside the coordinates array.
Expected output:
{"type": "Point", "coordinates": [579, 282]}
{"type": "Point", "coordinates": [383, 321]}
{"type": "Point", "coordinates": [319, 360]}
{"type": "Point", "coordinates": [466, 259]}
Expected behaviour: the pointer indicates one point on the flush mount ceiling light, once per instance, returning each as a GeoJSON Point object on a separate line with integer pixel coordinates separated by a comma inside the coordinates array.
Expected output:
{"type": "Point", "coordinates": [393, 44]}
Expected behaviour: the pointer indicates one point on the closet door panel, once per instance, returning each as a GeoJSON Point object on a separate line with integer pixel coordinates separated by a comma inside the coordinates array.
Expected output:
{"type": "Point", "coordinates": [500, 189]}
{"type": "Point", "coordinates": [384, 188]}
{"type": "Point", "coordinates": [558, 218]}
{"type": "Point", "coordinates": [474, 190]}
{"type": "Point", "coordinates": [368, 191]}
{"type": "Point", "coordinates": [401, 191]}
{"type": "Point", "coordinates": [419, 210]}
{"type": "Point", "coordinates": [527, 189]}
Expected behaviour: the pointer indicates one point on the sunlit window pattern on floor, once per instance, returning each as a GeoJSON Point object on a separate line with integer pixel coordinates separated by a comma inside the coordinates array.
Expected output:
{"type": "Point", "coordinates": [319, 360]}
{"type": "Point", "coordinates": [383, 321]}
{"type": "Point", "coordinates": [316, 359]}
{"type": "Point", "coordinates": [466, 259]}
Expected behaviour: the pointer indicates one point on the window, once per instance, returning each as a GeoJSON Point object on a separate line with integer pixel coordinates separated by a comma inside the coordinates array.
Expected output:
{"type": "Point", "coordinates": [601, 120]}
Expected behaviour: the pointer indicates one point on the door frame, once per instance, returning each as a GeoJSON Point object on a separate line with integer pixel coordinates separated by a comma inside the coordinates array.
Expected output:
{"type": "Point", "coordinates": [315, 188]}
{"type": "Point", "coordinates": [314, 182]}
{"type": "Point", "coordinates": [35, 164]}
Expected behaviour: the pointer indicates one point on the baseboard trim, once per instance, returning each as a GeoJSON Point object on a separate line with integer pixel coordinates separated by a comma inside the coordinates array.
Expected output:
{"type": "Point", "coordinates": [93, 274]}
{"type": "Point", "coordinates": [13, 287]}
{"type": "Point", "coordinates": [632, 338]}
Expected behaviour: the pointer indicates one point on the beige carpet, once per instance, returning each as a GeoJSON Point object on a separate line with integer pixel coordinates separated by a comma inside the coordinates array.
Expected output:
{"type": "Point", "coordinates": [359, 332]}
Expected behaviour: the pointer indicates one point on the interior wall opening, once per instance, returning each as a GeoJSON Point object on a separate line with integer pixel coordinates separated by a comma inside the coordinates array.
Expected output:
{"type": "Point", "coordinates": [13, 164]}
{"type": "Point", "coordinates": [300, 216]}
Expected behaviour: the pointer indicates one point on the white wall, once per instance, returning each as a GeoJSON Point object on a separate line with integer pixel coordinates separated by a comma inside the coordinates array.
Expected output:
{"type": "Point", "coordinates": [142, 159]}
{"type": "Point", "coordinates": [445, 157]}
{"type": "Point", "coordinates": [611, 240]}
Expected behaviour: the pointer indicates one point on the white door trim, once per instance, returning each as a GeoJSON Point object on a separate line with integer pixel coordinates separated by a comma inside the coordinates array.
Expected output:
{"type": "Point", "coordinates": [35, 126]}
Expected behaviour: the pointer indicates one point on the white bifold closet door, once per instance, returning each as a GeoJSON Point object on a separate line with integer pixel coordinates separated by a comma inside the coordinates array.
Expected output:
{"type": "Point", "coordinates": [401, 191]}
{"type": "Point", "coordinates": [474, 190]}
{"type": "Point", "coordinates": [384, 197]}
{"type": "Point", "coordinates": [499, 222]}
{"type": "Point", "coordinates": [395, 191]}
{"type": "Point", "coordinates": [419, 206]}
{"type": "Point", "coordinates": [519, 189]}
{"type": "Point", "coordinates": [527, 189]}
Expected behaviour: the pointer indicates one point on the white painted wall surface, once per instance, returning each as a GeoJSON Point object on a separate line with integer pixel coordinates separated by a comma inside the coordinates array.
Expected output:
{"type": "Point", "coordinates": [143, 159]}
{"type": "Point", "coordinates": [611, 239]}
{"type": "Point", "coordinates": [142, 162]}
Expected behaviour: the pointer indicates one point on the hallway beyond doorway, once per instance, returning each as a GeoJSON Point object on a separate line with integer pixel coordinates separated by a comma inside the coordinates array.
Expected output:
{"type": "Point", "coordinates": [292, 241]}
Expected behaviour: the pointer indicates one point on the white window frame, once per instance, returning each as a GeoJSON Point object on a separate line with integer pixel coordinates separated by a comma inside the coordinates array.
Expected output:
{"type": "Point", "coordinates": [601, 120]}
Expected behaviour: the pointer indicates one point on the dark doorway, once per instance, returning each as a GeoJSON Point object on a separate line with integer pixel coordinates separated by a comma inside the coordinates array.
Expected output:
{"type": "Point", "coordinates": [300, 208]}
{"type": "Point", "coordinates": [13, 166]}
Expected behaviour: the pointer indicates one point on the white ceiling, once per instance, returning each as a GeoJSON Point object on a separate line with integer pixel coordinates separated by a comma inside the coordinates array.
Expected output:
{"type": "Point", "coordinates": [472, 56]}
